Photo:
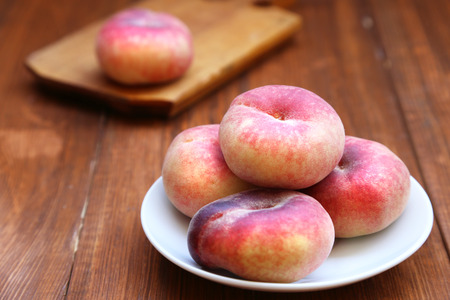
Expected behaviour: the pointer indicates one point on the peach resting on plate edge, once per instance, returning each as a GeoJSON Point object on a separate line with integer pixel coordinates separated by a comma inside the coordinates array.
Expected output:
{"type": "Point", "coordinates": [367, 191]}
{"type": "Point", "coordinates": [195, 172]}
{"type": "Point", "coordinates": [262, 234]}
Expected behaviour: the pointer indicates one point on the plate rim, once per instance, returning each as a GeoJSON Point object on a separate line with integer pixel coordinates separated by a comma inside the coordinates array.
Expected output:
{"type": "Point", "coordinates": [295, 286]}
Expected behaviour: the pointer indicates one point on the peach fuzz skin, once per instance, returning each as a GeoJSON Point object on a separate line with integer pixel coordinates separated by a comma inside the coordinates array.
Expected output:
{"type": "Point", "coordinates": [367, 191]}
{"type": "Point", "coordinates": [262, 235]}
{"type": "Point", "coordinates": [139, 46]}
{"type": "Point", "coordinates": [280, 136]}
{"type": "Point", "coordinates": [194, 171]}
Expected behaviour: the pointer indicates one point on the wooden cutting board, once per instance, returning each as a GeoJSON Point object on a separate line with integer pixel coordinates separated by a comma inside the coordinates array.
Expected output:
{"type": "Point", "coordinates": [227, 35]}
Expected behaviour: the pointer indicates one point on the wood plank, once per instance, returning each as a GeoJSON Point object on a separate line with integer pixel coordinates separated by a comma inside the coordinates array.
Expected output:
{"type": "Point", "coordinates": [47, 153]}
{"type": "Point", "coordinates": [419, 65]}
{"type": "Point", "coordinates": [45, 170]}
{"type": "Point", "coordinates": [228, 36]}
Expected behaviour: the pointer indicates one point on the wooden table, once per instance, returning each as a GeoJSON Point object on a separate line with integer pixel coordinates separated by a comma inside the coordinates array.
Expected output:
{"type": "Point", "coordinates": [73, 175]}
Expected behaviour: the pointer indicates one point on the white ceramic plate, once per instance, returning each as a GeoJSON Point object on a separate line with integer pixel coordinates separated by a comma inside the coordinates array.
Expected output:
{"type": "Point", "coordinates": [351, 260]}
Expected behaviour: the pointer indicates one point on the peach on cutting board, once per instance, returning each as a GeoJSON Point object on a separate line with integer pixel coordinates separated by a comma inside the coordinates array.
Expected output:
{"type": "Point", "coordinates": [139, 46]}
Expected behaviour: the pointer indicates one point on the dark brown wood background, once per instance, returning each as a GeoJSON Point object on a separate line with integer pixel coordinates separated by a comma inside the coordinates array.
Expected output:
{"type": "Point", "coordinates": [73, 174]}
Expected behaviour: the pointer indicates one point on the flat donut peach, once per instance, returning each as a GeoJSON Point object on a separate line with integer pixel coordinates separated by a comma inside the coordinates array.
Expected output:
{"type": "Point", "coordinates": [281, 136]}
{"type": "Point", "coordinates": [367, 191]}
{"type": "Point", "coordinates": [139, 46]}
{"type": "Point", "coordinates": [262, 234]}
{"type": "Point", "coordinates": [194, 171]}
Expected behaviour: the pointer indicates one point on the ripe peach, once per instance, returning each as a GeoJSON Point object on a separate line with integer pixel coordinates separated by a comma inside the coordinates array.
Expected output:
{"type": "Point", "coordinates": [262, 234]}
{"type": "Point", "coordinates": [139, 46]}
{"type": "Point", "coordinates": [280, 136]}
{"type": "Point", "coordinates": [367, 191]}
{"type": "Point", "coordinates": [194, 171]}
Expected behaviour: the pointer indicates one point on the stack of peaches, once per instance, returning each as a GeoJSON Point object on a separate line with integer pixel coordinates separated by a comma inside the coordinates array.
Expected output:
{"type": "Point", "coordinates": [270, 188]}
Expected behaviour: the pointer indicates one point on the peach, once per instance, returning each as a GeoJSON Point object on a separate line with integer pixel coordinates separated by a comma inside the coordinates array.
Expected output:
{"type": "Point", "coordinates": [262, 235]}
{"type": "Point", "coordinates": [280, 136]}
{"type": "Point", "coordinates": [367, 191]}
{"type": "Point", "coordinates": [194, 171]}
{"type": "Point", "coordinates": [139, 46]}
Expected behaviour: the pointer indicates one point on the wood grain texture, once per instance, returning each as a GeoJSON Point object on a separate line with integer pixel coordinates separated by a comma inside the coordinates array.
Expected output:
{"type": "Point", "coordinates": [228, 36]}
{"type": "Point", "coordinates": [420, 70]}
{"type": "Point", "coordinates": [43, 185]}
{"type": "Point", "coordinates": [73, 175]}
